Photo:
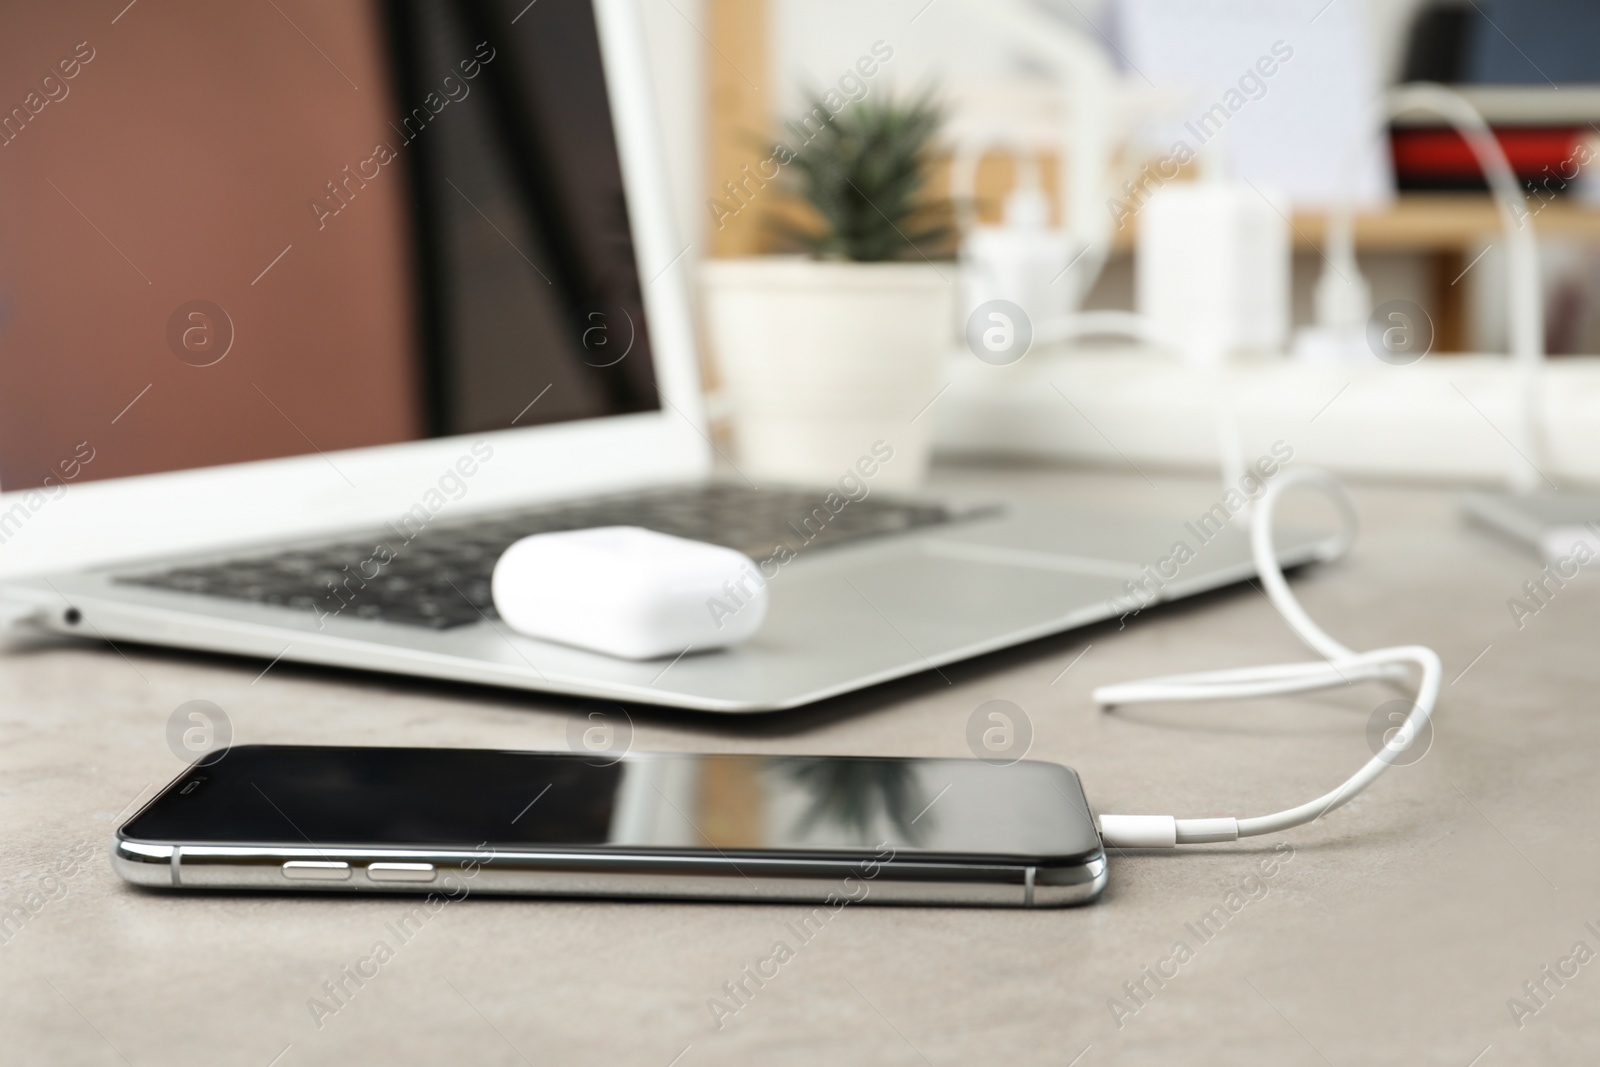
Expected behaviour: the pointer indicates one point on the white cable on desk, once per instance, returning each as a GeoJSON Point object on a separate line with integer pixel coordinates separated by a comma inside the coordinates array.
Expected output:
{"type": "Point", "coordinates": [1341, 666]}
{"type": "Point", "coordinates": [1524, 305]}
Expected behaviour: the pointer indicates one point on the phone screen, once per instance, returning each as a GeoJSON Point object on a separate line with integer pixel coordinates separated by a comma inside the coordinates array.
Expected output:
{"type": "Point", "coordinates": [405, 797]}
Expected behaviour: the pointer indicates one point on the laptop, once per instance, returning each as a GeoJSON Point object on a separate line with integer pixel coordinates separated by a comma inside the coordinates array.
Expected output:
{"type": "Point", "coordinates": [1559, 528]}
{"type": "Point", "coordinates": [526, 364]}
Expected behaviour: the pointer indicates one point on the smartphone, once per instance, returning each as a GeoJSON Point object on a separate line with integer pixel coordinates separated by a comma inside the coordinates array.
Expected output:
{"type": "Point", "coordinates": [454, 821]}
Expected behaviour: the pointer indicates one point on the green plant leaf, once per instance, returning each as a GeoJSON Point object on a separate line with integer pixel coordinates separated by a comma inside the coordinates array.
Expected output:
{"type": "Point", "coordinates": [864, 171]}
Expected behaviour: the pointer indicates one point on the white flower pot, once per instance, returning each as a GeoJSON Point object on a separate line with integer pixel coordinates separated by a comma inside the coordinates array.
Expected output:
{"type": "Point", "coordinates": [822, 360]}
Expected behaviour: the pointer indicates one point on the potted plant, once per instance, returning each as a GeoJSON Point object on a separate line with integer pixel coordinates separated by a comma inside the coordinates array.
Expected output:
{"type": "Point", "coordinates": [826, 354]}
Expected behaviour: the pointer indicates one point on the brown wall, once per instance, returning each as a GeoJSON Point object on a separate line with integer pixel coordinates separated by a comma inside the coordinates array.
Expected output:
{"type": "Point", "coordinates": [189, 147]}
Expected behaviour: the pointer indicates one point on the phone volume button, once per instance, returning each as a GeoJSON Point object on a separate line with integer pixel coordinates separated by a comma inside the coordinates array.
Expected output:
{"type": "Point", "coordinates": [316, 871]}
{"type": "Point", "coordinates": [400, 872]}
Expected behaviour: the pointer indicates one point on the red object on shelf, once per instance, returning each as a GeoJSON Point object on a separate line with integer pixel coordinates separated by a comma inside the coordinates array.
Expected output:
{"type": "Point", "coordinates": [1534, 152]}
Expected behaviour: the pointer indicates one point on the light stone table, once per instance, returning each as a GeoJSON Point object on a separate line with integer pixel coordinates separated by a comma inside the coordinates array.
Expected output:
{"type": "Point", "coordinates": [1399, 930]}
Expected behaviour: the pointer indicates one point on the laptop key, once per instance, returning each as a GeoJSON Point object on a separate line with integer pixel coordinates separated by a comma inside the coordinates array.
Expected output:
{"type": "Point", "coordinates": [440, 578]}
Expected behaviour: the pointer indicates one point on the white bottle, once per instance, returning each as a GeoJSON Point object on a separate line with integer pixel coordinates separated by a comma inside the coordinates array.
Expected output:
{"type": "Point", "coordinates": [1023, 260]}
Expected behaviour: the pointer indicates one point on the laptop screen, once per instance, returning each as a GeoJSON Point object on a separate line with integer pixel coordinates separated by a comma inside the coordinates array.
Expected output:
{"type": "Point", "coordinates": [242, 232]}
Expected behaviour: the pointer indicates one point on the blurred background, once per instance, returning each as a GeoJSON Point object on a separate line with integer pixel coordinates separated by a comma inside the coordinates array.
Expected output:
{"type": "Point", "coordinates": [1154, 186]}
{"type": "Point", "coordinates": [1324, 130]}
{"type": "Point", "coordinates": [1544, 109]}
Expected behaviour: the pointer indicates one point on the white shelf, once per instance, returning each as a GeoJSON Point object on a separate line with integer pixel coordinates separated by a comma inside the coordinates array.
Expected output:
{"type": "Point", "coordinates": [1446, 417]}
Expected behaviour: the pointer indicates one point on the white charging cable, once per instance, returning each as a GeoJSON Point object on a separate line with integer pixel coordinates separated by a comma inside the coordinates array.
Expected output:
{"type": "Point", "coordinates": [1343, 294]}
{"type": "Point", "coordinates": [1340, 666]}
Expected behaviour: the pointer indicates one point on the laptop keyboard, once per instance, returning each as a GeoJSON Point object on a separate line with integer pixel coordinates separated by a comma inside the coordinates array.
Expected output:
{"type": "Point", "coordinates": [438, 577]}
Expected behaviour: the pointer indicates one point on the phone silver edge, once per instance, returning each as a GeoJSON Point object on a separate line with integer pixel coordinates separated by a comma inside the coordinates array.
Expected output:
{"type": "Point", "coordinates": [454, 874]}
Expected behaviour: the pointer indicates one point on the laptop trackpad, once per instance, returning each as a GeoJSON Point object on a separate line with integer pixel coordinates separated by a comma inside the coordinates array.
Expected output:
{"type": "Point", "coordinates": [926, 602]}
{"type": "Point", "coordinates": [1119, 546]}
